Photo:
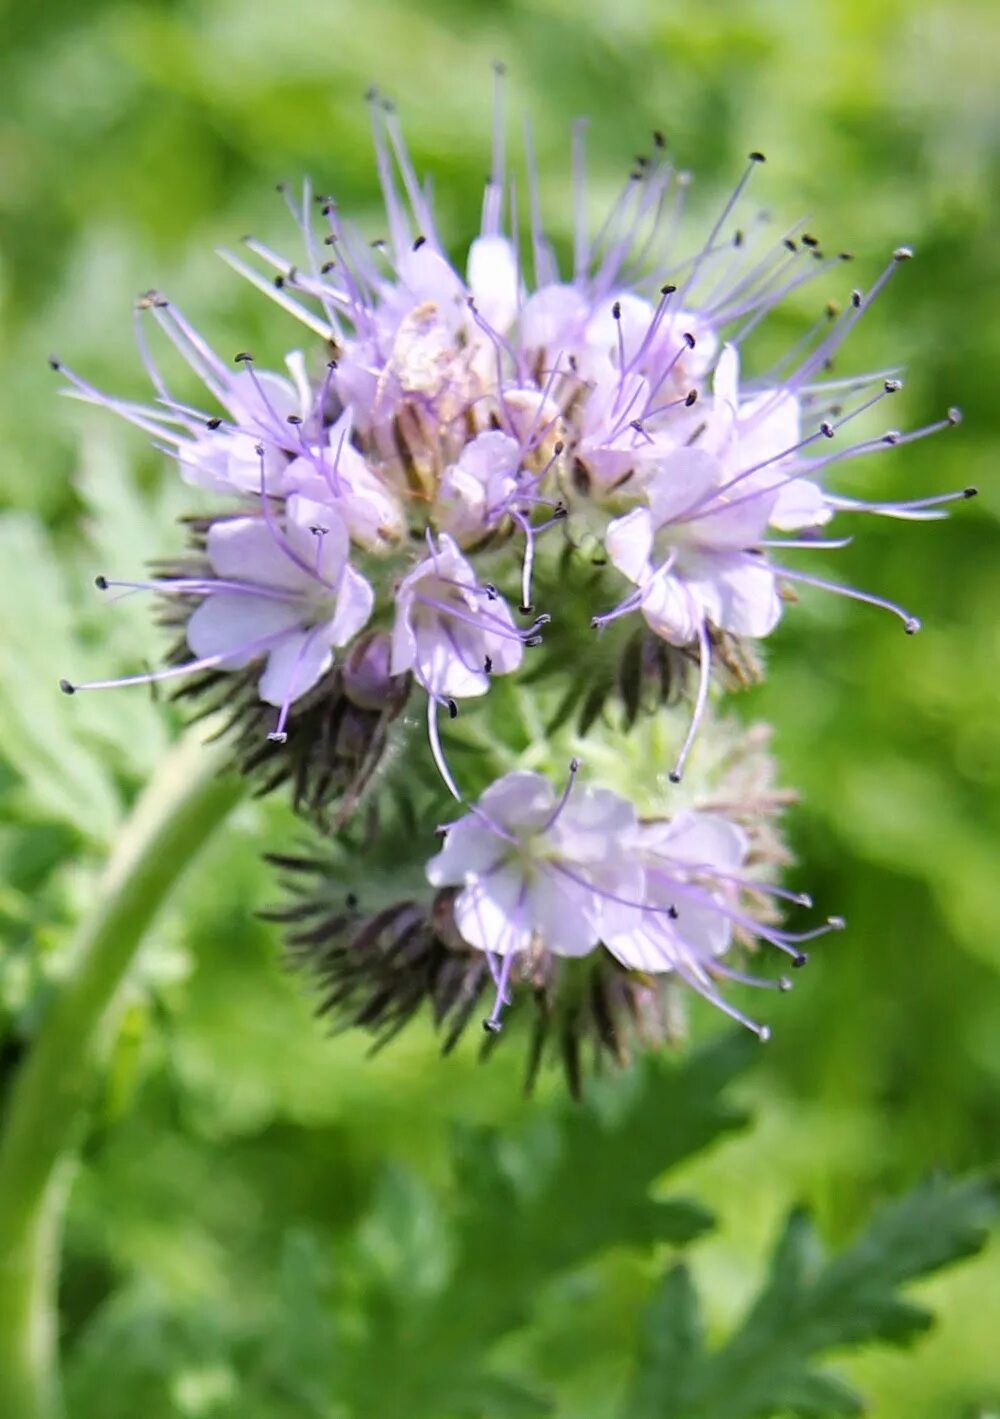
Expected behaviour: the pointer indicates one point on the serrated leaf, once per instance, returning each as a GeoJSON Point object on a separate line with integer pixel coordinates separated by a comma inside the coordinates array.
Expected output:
{"type": "Point", "coordinates": [531, 1207]}
{"type": "Point", "coordinates": [670, 1343]}
{"type": "Point", "coordinates": [810, 1305]}
{"type": "Point", "coordinates": [61, 777]}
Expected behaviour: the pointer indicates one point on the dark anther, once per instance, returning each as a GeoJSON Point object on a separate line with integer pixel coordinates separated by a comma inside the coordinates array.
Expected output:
{"type": "Point", "coordinates": [243, 358]}
{"type": "Point", "coordinates": [827, 429]}
{"type": "Point", "coordinates": [845, 255]}
{"type": "Point", "coordinates": [674, 776]}
{"type": "Point", "coordinates": [808, 240]}
{"type": "Point", "coordinates": [420, 241]}
{"type": "Point", "coordinates": [318, 531]}
{"type": "Point", "coordinates": [558, 447]}
{"type": "Point", "coordinates": [892, 386]}
{"type": "Point", "coordinates": [689, 340]}
{"type": "Point", "coordinates": [488, 665]}
{"type": "Point", "coordinates": [492, 1027]}
{"type": "Point", "coordinates": [690, 398]}
{"type": "Point", "coordinates": [101, 582]}
{"type": "Point", "coordinates": [526, 608]}
{"type": "Point", "coordinates": [789, 245]}
{"type": "Point", "coordinates": [54, 363]}
{"type": "Point", "coordinates": [799, 959]}
{"type": "Point", "coordinates": [616, 310]}
{"type": "Point", "coordinates": [560, 510]}
{"type": "Point", "coordinates": [331, 364]}
{"type": "Point", "coordinates": [673, 913]}
{"type": "Point", "coordinates": [893, 436]}
{"type": "Point", "coordinates": [281, 187]}
{"type": "Point", "coordinates": [757, 158]}
{"type": "Point", "coordinates": [213, 423]}
{"type": "Point", "coordinates": [258, 449]}
{"type": "Point", "coordinates": [637, 425]}
{"type": "Point", "coordinates": [856, 299]}
{"type": "Point", "coordinates": [659, 140]}
{"type": "Point", "coordinates": [351, 901]}
{"type": "Point", "coordinates": [491, 591]}
{"type": "Point", "coordinates": [954, 416]}
{"type": "Point", "coordinates": [667, 290]}
{"type": "Point", "coordinates": [293, 419]}
{"type": "Point", "coordinates": [279, 281]}
{"type": "Point", "coordinates": [574, 764]}
{"type": "Point", "coordinates": [67, 688]}
{"type": "Point", "coordinates": [738, 237]}
{"type": "Point", "coordinates": [452, 709]}
{"type": "Point", "coordinates": [329, 239]}
{"type": "Point", "coordinates": [327, 267]}
{"type": "Point", "coordinates": [970, 492]}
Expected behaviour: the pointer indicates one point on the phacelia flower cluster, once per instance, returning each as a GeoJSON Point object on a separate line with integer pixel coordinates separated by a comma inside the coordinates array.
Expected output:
{"type": "Point", "coordinates": [401, 509]}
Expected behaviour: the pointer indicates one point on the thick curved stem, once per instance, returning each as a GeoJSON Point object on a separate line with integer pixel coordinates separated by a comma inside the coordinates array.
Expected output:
{"type": "Point", "coordinates": [186, 800]}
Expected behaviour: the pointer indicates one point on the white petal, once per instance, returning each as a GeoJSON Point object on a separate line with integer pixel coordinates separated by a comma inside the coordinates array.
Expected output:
{"type": "Point", "coordinates": [355, 599]}
{"type": "Point", "coordinates": [594, 822]}
{"type": "Point", "coordinates": [470, 849]}
{"type": "Point", "coordinates": [553, 319]}
{"type": "Point", "coordinates": [671, 610]}
{"type": "Point", "coordinates": [736, 595]}
{"type": "Point", "coordinates": [492, 279]}
{"type": "Point", "coordinates": [563, 912]}
{"type": "Point", "coordinates": [519, 801]}
{"type": "Point", "coordinates": [629, 543]}
{"type": "Point", "coordinates": [726, 382]}
{"type": "Point", "coordinates": [246, 549]}
{"type": "Point", "coordinates": [490, 914]}
{"type": "Point", "coordinates": [698, 839]}
{"type": "Point", "coordinates": [317, 535]}
{"type": "Point", "coordinates": [294, 666]}
{"type": "Point", "coordinates": [800, 504]}
{"type": "Point", "coordinates": [683, 483]}
{"type": "Point", "coordinates": [230, 622]}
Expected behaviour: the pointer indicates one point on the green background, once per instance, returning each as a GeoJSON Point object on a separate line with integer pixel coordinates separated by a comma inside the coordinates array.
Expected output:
{"type": "Point", "coordinates": [231, 1135]}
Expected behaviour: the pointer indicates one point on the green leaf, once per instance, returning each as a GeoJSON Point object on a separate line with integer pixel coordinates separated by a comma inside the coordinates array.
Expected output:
{"type": "Point", "coordinates": [528, 1208]}
{"type": "Point", "coordinates": [809, 1305]}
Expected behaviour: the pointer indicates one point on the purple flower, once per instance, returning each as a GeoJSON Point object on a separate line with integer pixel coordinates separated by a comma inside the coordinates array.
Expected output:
{"type": "Point", "coordinates": [568, 874]}
{"type": "Point", "coordinates": [473, 409]}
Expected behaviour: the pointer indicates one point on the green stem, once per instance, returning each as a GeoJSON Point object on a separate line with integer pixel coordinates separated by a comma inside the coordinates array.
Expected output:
{"type": "Point", "coordinates": [186, 800]}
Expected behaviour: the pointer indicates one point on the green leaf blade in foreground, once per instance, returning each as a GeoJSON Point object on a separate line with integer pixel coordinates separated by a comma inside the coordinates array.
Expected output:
{"type": "Point", "coordinates": [531, 1207]}
{"type": "Point", "coordinates": [809, 1305]}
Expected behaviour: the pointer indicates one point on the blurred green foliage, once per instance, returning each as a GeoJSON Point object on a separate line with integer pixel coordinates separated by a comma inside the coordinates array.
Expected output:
{"type": "Point", "coordinates": [238, 1242]}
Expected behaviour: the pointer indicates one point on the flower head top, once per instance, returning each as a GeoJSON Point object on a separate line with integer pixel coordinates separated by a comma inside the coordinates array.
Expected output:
{"type": "Point", "coordinates": [461, 432]}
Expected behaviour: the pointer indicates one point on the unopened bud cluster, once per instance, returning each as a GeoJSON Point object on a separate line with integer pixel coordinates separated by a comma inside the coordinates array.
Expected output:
{"type": "Point", "coordinates": [508, 473]}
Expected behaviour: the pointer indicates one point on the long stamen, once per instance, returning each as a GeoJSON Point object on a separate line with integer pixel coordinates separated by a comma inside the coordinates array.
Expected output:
{"type": "Point", "coordinates": [169, 672]}
{"type": "Point", "coordinates": [435, 743]}
{"type": "Point", "coordinates": [701, 700]}
{"type": "Point", "coordinates": [279, 735]}
{"type": "Point", "coordinates": [552, 819]}
{"type": "Point", "coordinates": [492, 1022]}
{"type": "Point", "coordinates": [911, 623]}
